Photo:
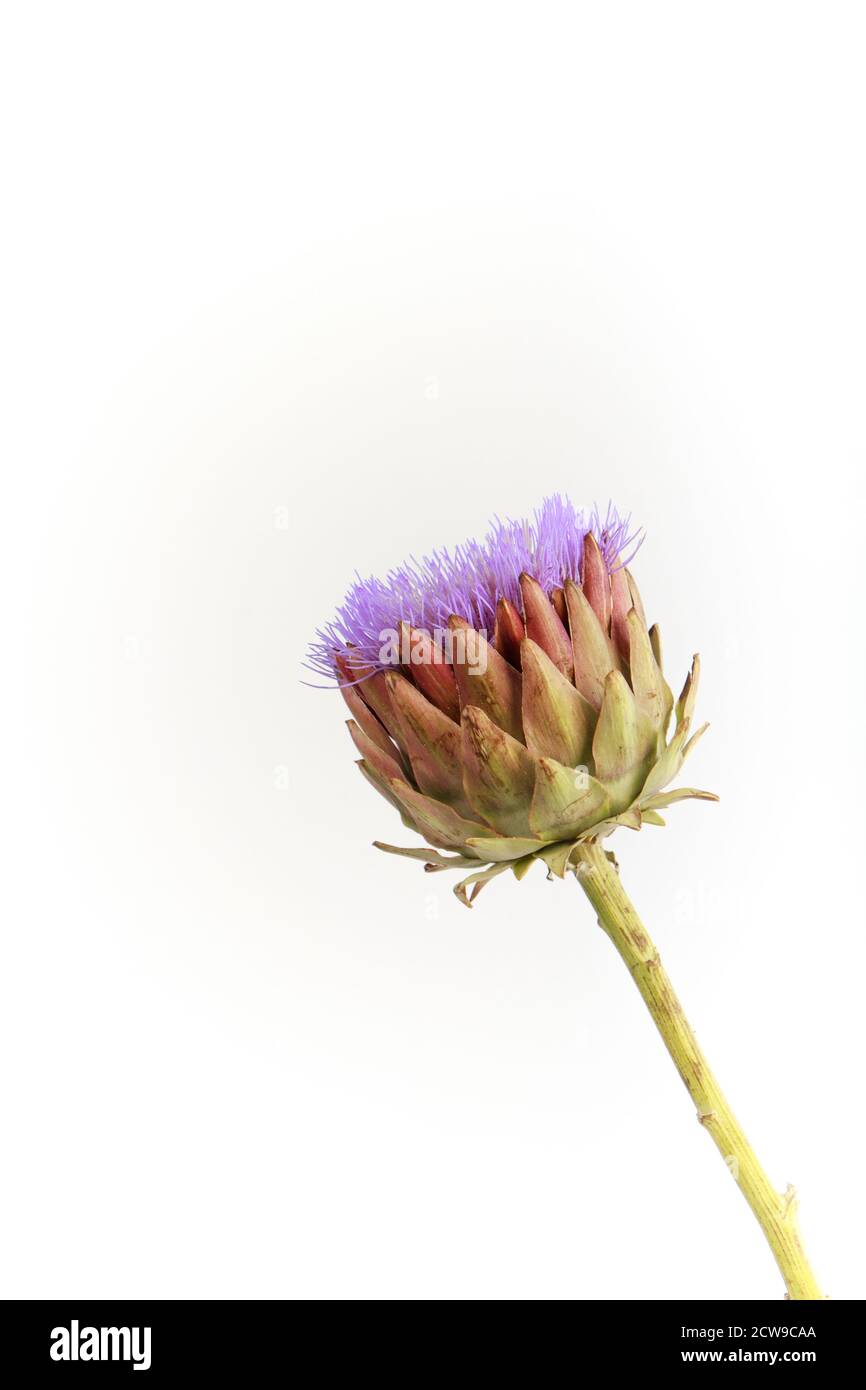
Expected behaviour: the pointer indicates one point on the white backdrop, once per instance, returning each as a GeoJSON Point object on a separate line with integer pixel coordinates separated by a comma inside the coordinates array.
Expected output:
{"type": "Point", "coordinates": [295, 290]}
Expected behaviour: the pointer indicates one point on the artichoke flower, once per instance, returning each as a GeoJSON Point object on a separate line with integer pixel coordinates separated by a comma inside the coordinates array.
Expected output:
{"type": "Point", "coordinates": [520, 744]}
{"type": "Point", "coordinates": [508, 700]}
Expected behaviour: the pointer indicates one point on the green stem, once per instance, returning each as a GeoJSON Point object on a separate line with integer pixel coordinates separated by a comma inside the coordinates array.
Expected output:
{"type": "Point", "coordinates": [776, 1213]}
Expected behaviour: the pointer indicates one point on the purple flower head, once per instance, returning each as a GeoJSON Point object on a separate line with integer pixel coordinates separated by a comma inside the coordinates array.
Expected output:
{"type": "Point", "coordinates": [469, 580]}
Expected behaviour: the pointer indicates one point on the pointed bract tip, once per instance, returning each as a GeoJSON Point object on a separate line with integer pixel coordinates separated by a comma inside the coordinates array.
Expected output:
{"type": "Point", "coordinates": [508, 631]}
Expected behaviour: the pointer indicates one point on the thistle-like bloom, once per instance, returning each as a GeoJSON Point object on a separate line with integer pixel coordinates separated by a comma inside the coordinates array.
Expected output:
{"type": "Point", "coordinates": [508, 698]}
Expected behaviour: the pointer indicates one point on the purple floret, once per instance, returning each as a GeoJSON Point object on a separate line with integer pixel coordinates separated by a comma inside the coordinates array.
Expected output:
{"type": "Point", "coordinates": [469, 579]}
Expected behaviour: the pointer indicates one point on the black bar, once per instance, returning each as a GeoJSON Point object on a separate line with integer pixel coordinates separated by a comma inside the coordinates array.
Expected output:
{"type": "Point", "coordinates": [243, 1341]}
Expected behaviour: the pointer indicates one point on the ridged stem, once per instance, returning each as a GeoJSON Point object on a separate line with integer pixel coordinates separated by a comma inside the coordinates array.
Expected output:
{"type": "Point", "coordinates": [776, 1212]}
